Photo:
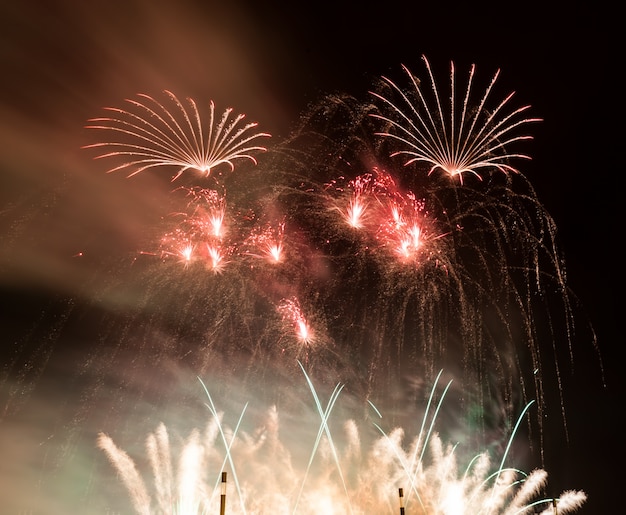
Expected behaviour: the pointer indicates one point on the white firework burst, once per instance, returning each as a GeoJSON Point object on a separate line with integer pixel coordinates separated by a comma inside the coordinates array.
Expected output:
{"type": "Point", "coordinates": [346, 478]}
{"type": "Point", "coordinates": [150, 135]}
{"type": "Point", "coordinates": [470, 139]}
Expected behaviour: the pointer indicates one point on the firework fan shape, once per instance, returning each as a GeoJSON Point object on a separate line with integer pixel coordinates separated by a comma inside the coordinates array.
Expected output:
{"type": "Point", "coordinates": [153, 135]}
{"type": "Point", "coordinates": [471, 139]}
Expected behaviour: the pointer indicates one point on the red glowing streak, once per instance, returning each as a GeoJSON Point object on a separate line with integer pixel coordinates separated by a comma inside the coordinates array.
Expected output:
{"type": "Point", "coordinates": [304, 332]}
{"type": "Point", "coordinates": [209, 210]}
{"type": "Point", "coordinates": [291, 313]}
{"type": "Point", "coordinates": [216, 257]}
{"type": "Point", "coordinates": [395, 215]}
{"type": "Point", "coordinates": [415, 233]}
{"type": "Point", "coordinates": [354, 213]}
{"type": "Point", "coordinates": [268, 243]}
{"type": "Point", "coordinates": [409, 242]}
{"type": "Point", "coordinates": [186, 253]}
{"type": "Point", "coordinates": [275, 252]}
{"type": "Point", "coordinates": [216, 221]}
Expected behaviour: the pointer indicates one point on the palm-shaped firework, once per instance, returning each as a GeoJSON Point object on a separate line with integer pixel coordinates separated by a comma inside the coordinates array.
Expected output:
{"type": "Point", "coordinates": [469, 140]}
{"type": "Point", "coordinates": [151, 135]}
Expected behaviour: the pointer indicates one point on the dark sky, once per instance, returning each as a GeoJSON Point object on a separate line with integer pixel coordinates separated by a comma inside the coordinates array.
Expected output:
{"type": "Point", "coordinates": [62, 61]}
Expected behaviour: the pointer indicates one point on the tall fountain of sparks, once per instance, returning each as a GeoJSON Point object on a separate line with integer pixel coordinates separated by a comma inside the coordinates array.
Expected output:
{"type": "Point", "coordinates": [384, 241]}
{"type": "Point", "coordinates": [346, 477]}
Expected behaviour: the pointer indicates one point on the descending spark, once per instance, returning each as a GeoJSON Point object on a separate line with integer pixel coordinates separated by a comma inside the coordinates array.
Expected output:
{"type": "Point", "coordinates": [217, 260]}
{"type": "Point", "coordinates": [150, 134]}
{"type": "Point", "coordinates": [292, 313]}
{"type": "Point", "coordinates": [466, 141]}
{"type": "Point", "coordinates": [268, 243]}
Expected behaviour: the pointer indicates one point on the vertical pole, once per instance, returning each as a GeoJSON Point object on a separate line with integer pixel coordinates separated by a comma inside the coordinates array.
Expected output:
{"type": "Point", "coordinates": [554, 506]}
{"type": "Point", "coordinates": [223, 496]}
{"type": "Point", "coordinates": [401, 495]}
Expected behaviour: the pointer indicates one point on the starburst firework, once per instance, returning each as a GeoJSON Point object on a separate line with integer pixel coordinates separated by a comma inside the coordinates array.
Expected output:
{"type": "Point", "coordinates": [470, 140]}
{"type": "Point", "coordinates": [152, 135]}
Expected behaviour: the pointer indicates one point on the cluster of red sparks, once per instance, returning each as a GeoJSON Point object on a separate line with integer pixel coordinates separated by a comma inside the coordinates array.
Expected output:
{"type": "Point", "coordinates": [292, 314]}
{"type": "Point", "coordinates": [393, 223]}
{"type": "Point", "coordinates": [372, 204]}
{"type": "Point", "coordinates": [205, 234]}
{"type": "Point", "coordinates": [392, 220]}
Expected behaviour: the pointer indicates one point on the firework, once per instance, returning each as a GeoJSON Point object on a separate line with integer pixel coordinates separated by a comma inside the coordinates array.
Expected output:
{"type": "Point", "coordinates": [151, 135]}
{"type": "Point", "coordinates": [395, 273]}
{"type": "Point", "coordinates": [268, 242]}
{"type": "Point", "coordinates": [206, 232]}
{"type": "Point", "coordinates": [292, 314]}
{"type": "Point", "coordinates": [332, 254]}
{"type": "Point", "coordinates": [338, 477]}
{"type": "Point", "coordinates": [466, 140]}
{"type": "Point", "coordinates": [424, 268]}
{"type": "Point", "coordinates": [389, 219]}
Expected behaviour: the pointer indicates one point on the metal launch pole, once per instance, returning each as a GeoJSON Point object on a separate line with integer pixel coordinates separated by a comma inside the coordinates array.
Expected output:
{"type": "Point", "coordinates": [401, 495]}
{"type": "Point", "coordinates": [223, 496]}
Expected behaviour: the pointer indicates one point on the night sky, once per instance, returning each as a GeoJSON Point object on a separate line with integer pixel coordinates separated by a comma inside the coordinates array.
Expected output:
{"type": "Point", "coordinates": [61, 62]}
